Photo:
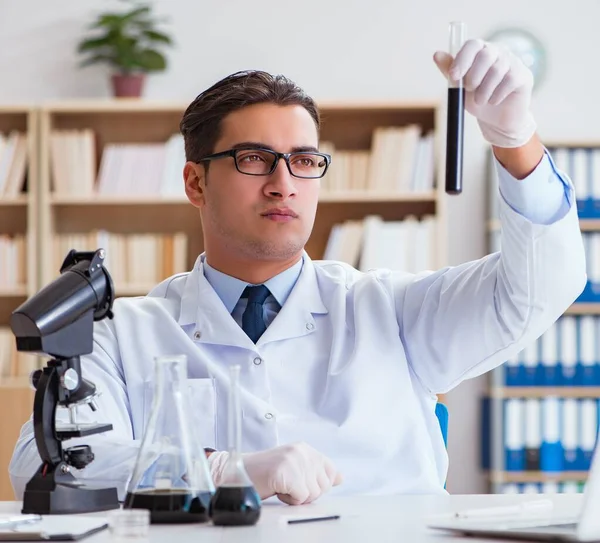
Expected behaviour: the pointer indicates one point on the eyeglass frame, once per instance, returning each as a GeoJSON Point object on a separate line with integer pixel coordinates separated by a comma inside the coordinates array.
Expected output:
{"type": "Point", "coordinates": [286, 157]}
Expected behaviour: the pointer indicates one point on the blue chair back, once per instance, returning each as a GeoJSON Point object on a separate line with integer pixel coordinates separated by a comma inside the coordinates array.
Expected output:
{"type": "Point", "coordinates": [441, 412]}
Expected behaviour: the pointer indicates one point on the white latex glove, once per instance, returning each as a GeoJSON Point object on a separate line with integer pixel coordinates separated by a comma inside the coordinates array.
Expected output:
{"type": "Point", "coordinates": [295, 473]}
{"type": "Point", "coordinates": [498, 90]}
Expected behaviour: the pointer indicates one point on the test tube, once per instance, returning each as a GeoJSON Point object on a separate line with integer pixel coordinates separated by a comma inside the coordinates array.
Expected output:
{"type": "Point", "coordinates": [456, 116]}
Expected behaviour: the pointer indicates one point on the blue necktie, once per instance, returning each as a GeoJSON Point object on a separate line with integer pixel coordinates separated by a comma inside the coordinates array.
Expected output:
{"type": "Point", "coordinates": [253, 322]}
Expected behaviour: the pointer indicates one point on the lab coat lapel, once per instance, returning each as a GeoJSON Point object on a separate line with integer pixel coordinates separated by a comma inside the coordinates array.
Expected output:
{"type": "Point", "coordinates": [201, 306]}
{"type": "Point", "coordinates": [295, 318]}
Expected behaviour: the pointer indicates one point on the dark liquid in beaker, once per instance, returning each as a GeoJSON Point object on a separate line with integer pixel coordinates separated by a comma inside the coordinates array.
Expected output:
{"type": "Point", "coordinates": [171, 506]}
{"type": "Point", "coordinates": [235, 506]}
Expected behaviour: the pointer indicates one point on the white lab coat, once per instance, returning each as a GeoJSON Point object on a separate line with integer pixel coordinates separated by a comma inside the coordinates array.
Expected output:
{"type": "Point", "coordinates": [351, 364]}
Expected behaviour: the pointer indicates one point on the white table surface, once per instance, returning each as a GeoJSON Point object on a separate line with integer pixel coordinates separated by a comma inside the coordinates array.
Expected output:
{"type": "Point", "coordinates": [398, 519]}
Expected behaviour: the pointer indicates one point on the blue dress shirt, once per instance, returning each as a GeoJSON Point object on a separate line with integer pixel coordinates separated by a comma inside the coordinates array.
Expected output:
{"type": "Point", "coordinates": [230, 289]}
{"type": "Point", "coordinates": [542, 197]}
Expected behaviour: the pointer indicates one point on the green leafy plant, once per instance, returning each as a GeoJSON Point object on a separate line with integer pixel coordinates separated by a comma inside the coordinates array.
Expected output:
{"type": "Point", "coordinates": [129, 42]}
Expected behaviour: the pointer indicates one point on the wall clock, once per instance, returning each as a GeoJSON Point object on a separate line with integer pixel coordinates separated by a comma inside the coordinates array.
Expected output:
{"type": "Point", "coordinates": [527, 47]}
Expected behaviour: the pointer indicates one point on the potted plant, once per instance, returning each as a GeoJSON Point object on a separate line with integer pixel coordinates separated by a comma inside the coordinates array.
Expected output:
{"type": "Point", "coordinates": [130, 43]}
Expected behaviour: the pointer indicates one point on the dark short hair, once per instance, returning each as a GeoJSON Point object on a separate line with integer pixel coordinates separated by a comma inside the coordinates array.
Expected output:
{"type": "Point", "coordinates": [201, 122]}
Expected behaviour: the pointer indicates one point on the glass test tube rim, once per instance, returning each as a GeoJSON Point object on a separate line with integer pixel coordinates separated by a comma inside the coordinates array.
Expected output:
{"type": "Point", "coordinates": [457, 31]}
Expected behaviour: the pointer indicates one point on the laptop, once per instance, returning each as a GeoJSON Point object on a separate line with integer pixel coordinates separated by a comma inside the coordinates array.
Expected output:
{"type": "Point", "coordinates": [524, 527]}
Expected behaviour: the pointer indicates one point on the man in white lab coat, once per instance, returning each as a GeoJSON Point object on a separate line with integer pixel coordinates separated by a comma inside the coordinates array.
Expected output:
{"type": "Point", "coordinates": [339, 369]}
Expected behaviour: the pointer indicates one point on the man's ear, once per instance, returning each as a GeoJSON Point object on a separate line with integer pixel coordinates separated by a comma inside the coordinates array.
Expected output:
{"type": "Point", "coordinates": [194, 176]}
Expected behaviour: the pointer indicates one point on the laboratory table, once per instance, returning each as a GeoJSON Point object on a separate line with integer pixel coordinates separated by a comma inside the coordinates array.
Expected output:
{"type": "Point", "coordinates": [398, 519]}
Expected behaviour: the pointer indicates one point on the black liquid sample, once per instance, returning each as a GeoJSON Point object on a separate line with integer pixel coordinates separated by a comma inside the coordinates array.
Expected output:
{"type": "Point", "coordinates": [171, 506]}
{"type": "Point", "coordinates": [235, 506]}
{"type": "Point", "coordinates": [454, 140]}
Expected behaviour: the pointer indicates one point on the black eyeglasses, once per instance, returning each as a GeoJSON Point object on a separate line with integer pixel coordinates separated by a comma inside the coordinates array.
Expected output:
{"type": "Point", "coordinates": [253, 161]}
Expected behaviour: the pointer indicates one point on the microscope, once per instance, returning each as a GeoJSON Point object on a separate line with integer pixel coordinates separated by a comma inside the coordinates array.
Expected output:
{"type": "Point", "coordinates": [58, 321]}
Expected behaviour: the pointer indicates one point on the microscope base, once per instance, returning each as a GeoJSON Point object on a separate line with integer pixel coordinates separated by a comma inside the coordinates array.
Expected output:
{"type": "Point", "coordinates": [44, 497]}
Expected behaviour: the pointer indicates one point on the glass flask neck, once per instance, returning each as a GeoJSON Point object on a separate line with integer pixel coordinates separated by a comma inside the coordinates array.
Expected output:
{"type": "Point", "coordinates": [170, 373]}
{"type": "Point", "coordinates": [235, 472]}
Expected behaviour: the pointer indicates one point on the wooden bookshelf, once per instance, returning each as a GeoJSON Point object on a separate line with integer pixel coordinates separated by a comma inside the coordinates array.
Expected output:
{"type": "Point", "coordinates": [348, 125]}
{"type": "Point", "coordinates": [18, 216]}
{"type": "Point", "coordinates": [576, 167]}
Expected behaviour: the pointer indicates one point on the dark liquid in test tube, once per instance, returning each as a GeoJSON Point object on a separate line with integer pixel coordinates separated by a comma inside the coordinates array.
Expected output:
{"type": "Point", "coordinates": [454, 140]}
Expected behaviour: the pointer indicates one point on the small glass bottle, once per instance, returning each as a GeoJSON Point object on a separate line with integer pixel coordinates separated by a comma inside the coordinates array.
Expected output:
{"type": "Point", "coordinates": [171, 477]}
{"type": "Point", "coordinates": [236, 502]}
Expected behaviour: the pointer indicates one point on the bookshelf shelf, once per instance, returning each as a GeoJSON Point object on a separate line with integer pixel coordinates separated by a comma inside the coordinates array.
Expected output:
{"type": "Point", "coordinates": [581, 308]}
{"type": "Point", "coordinates": [19, 201]}
{"type": "Point", "coordinates": [544, 392]}
{"type": "Point", "coordinates": [589, 225]}
{"type": "Point", "coordinates": [133, 290]}
{"type": "Point", "coordinates": [19, 291]}
{"type": "Point", "coordinates": [536, 476]}
{"type": "Point", "coordinates": [98, 200]}
{"type": "Point", "coordinates": [586, 225]}
{"type": "Point", "coordinates": [325, 197]}
{"type": "Point", "coordinates": [359, 196]}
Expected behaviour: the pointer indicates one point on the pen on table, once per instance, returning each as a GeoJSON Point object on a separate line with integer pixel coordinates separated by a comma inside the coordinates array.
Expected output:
{"type": "Point", "coordinates": [532, 507]}
{"type": "Point", "coordinates": [312, 519]}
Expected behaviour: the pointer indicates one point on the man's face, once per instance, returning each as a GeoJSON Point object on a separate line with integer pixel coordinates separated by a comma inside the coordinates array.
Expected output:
{"type": "Point", "coordinates": [259, 217]}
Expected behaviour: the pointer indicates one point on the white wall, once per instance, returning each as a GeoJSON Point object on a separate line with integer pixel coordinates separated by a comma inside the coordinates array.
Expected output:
{"type": "Point", "coordinates": [335, 49]}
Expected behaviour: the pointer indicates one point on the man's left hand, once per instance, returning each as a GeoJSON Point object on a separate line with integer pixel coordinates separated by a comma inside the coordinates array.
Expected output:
{"type": "Point", "coordinates": [498, 90]}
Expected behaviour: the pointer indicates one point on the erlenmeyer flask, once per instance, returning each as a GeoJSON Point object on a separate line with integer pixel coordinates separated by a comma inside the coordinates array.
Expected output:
{"type": "Point", "coordinates": [236, 502]}
{"type": "Point", "coordinates": [171, 476]}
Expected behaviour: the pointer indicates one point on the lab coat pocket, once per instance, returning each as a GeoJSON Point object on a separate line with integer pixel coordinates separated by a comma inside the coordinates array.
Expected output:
{"type": "Point", "coordinates": [202, 408]}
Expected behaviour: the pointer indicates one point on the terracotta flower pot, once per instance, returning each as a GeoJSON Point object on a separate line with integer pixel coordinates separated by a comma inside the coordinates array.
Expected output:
{"type": "Point", "coordinates": [128, 85]}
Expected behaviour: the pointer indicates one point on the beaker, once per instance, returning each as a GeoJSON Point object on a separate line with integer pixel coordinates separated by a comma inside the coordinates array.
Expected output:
{"type": "Point", "coordinates": [171, 477]}
{"type": "Point", "coordinates": [236, 502]}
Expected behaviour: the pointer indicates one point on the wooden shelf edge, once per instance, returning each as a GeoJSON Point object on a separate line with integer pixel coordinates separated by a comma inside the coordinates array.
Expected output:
{"type": "Point", "coordinates": [544, 392]}
{"type": "Point", "coordinates": [18, 109]}
{"type": "Point", "coordinates": [572, 143]}
{"type": "Point", "coordinates": [13, 292]}
{"type": "Point", "coordinates": [96, 200]}
{"type": "Point", "coordinates": [109, 105]}
{"type": "Point", "coordinates": [586, 225]}
{"type": "Point", "coordinates": [12, 202]}
{"type": "Point", "coordinates": [584, 308]}
{"type": "Point", "coordinates": [536, 476]}
{"type": "Point", "coordinates": [408, 105]}
{"type": "Point", "coordinates": [134, 290]}
{"type": "Point", "coordinates": [325, 197]}
{"type": "Point", "coordinates": [589, 224]}
{"type": "Point", "coordinates": [360, 196]}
